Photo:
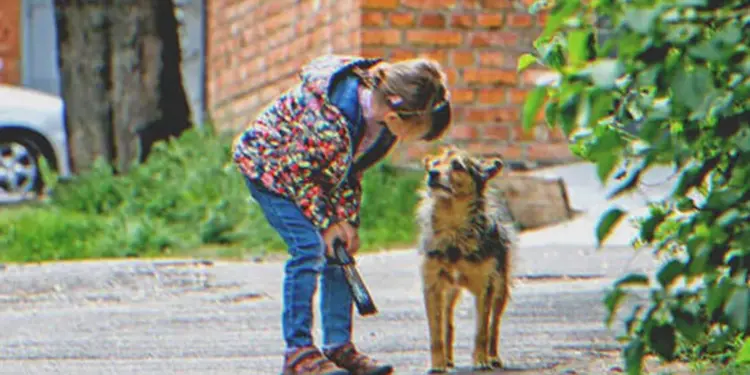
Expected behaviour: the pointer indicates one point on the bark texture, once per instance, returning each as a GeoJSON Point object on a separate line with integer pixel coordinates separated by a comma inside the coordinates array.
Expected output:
{"type": "Point", "coordinates": [120, 72]}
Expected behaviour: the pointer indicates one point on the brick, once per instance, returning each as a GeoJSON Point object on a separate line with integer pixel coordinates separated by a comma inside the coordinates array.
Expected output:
{"type": "Point", "coordinates": [439, 55]}
{"type": "Point", "coordinates": [451, 75]}
{"type": "Point", "coordinates": [490, 77]}
{"type": "Point", "coordinates": [462, 96]}
{"type": "Point", "coordinates": [497, 132]}
{"type": "Point", "coordinates": [372, 52]}
{"type": "Point", "coordinates": [380, 4]}
{"type": "Point", "coordinates": [490, 20]}
{"type": "Point", "coordinates": [487, 149]}
{"type": "Point", "coordinates": [462, 58]}
{"type": "Point", "coordinates": [434, 37]}
{"type": "Point", "coordinates": [381, 37]}
{"type": "Point", "coordinates": [462, 21]}
{"type": "Point", "coordinates": [557, 135]}
{"type": "Point", "coordinates": [401, 19]}
{"type": "Point", "coordinates": [494, 39]}
{"type": "Point", "coordinates": [372, 19]}
{"type": "Point", "coordinates": [429, 4]}
{"type": "Point", "coordinates": [463, 132]}
{"type": "Point", "coordinates": [522, 135]}
{"type": "Point", "coordinates": [549, 152]}
{"type": "Point", "coordinates": [491, 96]}
{"type": "Point", "coordinates": [496, 4]}
{"type": "Point", "coordinates": [517, 96]}
{"type": "Point", "coordinates": [402, 54]}
{"type": "Point", "coordinates": [470, 4]}
{"type": "Point", "coordinates": [491, 59]}
{"type": "Point", "coordinates": [520, 20]}
{"type": "Point", "coordinates": [491, 115]}
{"type": "Point", "coordinates": [432, 20]}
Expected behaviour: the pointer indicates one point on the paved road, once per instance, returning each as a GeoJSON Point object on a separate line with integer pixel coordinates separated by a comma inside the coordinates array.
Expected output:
{"type": "Point", "coordinates": [158, 317]}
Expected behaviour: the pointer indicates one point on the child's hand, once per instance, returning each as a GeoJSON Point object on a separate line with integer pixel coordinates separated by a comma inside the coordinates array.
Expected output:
{"type": "Point", "coordinates": [345, 232]}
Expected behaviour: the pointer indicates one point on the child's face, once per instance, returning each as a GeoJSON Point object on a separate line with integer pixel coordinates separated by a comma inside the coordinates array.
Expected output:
{"type": "Point", "coordinates": [405, 130]}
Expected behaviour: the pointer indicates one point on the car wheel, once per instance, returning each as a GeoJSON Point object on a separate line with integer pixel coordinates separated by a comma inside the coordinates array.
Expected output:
{"type": "Point", "coordinates": [19, 167]}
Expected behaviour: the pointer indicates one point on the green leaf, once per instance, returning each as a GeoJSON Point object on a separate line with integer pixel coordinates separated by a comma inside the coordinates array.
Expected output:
{"type": "Point", "coordinates": [525, 61]}
{"type": "Point", "coordinates": [692, 3]}
{"type": "Point", "coordinates": [687, 324]}
{"type": "Point", "coordinates": [663, 341]}
{"type": "Point", "coordinates": [633, 279]}
{"type": "Point", "coordinates": [605, 164]}
{"type": "Point", "coordinates": [691, 88]}
{"type": "Point", "coordinates": [633, 353]}
{"type": "Point", "coordinates": [743, 356]}
{"type": "Point", "coordinates": [550, 113]}
{"type": "Point", "coordinates": [742, 140]}
{"type": "Point", "coordinates": [669, 272]}
{"type": "Point", "coordinates": [607, 222]}
{"type": "Point", "coordinates": [578, 46]}
{"type": "Point", "coordinates": [648, 227]}
{"type": "Point", "coordinates": [737, 308]}
{"type": "Point", "coordinates": [641, 20]}
{"type": "Point", "coordinates": [558, 16]}
{"type": "Point", "coordinates": [611, 301]}
{"type": "Point", "coordinates": [604, 73]}
{"type": "Point", "coordinates": [532, 105]}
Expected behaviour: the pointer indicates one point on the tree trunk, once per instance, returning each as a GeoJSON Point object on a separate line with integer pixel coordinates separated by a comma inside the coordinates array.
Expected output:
{"type": "Point", "coordinates": [83, 44]}
{"type": "Point", "coordinates": [139, 85]}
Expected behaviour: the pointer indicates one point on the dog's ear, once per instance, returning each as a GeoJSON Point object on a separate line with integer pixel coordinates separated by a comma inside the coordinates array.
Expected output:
{"type": "Point", "coordinates": [426, 162]}
{"type": "Point", "coordinates": [491, 168]}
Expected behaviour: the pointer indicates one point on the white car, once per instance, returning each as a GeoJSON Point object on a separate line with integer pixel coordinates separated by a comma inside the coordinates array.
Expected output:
{"type": "Point", "coordinates": [32, 125]}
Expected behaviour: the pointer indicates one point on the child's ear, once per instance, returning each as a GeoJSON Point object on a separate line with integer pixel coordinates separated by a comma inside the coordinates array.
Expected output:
{"type": "Point", "coordinates": [491, 168]}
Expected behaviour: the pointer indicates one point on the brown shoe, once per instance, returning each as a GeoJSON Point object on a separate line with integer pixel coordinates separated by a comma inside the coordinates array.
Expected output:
{"type": "Point", "coordinates": [310, 361]}
{"type": "Point", "coordinates": [357, 363]}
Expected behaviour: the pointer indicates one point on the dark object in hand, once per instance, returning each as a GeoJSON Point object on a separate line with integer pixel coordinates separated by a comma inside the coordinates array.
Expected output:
{"type": "Point", "coordinates": [360, 294]}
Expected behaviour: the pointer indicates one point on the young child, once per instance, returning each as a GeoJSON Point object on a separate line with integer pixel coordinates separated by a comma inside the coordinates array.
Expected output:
{"type": "Point", "coordinates": [303, 160]}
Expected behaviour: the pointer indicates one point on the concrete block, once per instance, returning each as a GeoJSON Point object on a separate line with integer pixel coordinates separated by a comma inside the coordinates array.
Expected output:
{"type": "Point", "coordinates": [533, 201]}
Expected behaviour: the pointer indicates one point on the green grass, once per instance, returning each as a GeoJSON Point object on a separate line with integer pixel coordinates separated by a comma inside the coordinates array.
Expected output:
{"type": "Point", "coordinates": [187, 199]}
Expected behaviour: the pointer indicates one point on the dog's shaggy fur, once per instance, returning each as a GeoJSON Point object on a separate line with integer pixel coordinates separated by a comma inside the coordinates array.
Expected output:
{"type": "Point", "coordinates": [466, 242]}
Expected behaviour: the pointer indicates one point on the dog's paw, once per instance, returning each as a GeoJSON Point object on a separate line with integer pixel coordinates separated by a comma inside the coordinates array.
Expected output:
{"type": "Point", "coordinates": [450, 364]}
{"type": "Point", "coordinates": [437, 370]}
{"type": "Point", "coordinates": [496, 362]}
{"type": "Point", "coordinates": [482, 366]}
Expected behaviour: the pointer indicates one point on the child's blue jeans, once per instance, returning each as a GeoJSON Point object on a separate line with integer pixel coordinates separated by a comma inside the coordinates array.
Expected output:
{"type": "Point", "coordinates": [307, 263]}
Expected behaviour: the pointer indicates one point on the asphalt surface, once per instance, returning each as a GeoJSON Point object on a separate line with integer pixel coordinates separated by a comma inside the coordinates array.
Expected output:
{"type": "Point", "coordinates": [172, 317]}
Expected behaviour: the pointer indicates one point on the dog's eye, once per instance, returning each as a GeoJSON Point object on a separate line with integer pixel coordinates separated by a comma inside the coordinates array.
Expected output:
{"type": "Point", "coordinates": [457, 166]}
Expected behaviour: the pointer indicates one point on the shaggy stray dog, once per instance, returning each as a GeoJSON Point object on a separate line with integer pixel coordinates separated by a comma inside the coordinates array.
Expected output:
{"type": "Point", "coordinates": [466, 242]}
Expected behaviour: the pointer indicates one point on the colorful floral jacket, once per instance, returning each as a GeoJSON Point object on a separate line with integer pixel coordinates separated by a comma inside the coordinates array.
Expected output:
{"type": "Point", "coordinates": [300, 146]}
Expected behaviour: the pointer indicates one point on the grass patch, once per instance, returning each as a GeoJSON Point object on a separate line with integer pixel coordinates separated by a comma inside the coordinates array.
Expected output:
{"type": "Point", "coordinates": [187, 199]}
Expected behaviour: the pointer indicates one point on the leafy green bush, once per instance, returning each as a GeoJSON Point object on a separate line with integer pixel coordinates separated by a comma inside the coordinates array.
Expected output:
{"type": "Point", "coordinates": [189, 195]}
{"type": "Point", "coordinates": [680, 71]}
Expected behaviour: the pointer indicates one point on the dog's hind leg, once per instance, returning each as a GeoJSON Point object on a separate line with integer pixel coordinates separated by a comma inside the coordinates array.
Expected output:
{"type": "Point", "coordinates": [434, 300]}
{"type": "Point", "coordinates": [498, 308]}
{"type": "Point", "coordinates": [451, 298]}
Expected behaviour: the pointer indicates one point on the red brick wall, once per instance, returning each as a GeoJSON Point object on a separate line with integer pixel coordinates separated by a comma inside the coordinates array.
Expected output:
{"type": "Point", "coordinates": [255, 46]}
{"type": "Point", "coordinates": [478, 42]}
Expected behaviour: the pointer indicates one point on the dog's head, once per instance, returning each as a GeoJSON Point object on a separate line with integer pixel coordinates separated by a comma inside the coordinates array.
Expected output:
{"type": "Point", "coordinates": [453, 172]}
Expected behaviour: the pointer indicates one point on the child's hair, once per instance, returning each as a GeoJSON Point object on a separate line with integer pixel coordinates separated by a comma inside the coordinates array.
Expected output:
{"type": "Point", "coordinates": [414, 88]}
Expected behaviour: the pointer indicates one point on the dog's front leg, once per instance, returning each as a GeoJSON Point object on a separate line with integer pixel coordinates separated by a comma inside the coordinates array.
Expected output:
{"type": "Point", "coordinates": [483, 304]}
{"type": "Point", "coordinates": [498, 308]}
{"type": "Point", "coordinates": [450, 305]}
{"type": "Point", "coordinates": [435, 309]}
